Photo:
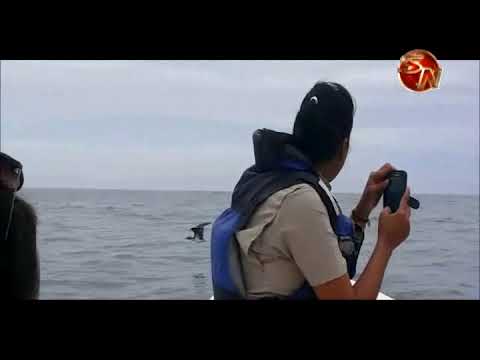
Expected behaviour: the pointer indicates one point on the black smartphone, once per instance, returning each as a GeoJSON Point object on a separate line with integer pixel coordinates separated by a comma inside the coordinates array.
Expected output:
{"type": "Point", "coordinates": [395, 189]}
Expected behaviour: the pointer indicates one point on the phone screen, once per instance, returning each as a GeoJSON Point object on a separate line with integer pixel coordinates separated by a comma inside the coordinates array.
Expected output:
{"type": "Point", "coordinates": [395, 189]}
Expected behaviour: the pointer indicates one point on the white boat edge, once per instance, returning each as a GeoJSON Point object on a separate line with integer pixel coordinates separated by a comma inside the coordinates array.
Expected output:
{"type": "Point", "coordinates": [381, 296]}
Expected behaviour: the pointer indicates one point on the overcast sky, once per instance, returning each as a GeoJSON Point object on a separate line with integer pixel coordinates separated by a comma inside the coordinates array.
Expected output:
{"type": "Point", "coordinates": [187, 125]}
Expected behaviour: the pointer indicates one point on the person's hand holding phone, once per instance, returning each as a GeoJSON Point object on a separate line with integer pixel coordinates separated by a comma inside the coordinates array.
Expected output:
{"type": "Point", "coordinates": [374, 188]}
{"type": "Point", "coordinates": [394, 228]}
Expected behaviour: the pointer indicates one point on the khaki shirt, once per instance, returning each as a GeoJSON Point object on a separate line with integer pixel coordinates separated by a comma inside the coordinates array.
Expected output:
{"type": "Point", "coordinates": [288, 240]}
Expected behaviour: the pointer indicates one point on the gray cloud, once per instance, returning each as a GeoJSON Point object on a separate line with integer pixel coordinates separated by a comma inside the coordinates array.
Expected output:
{"type": "Point", "coordinates": [188, 124]}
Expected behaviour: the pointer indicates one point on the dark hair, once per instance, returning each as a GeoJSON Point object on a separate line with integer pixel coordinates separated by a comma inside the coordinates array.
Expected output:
{"type": "Point", "coordinates": [19, 264]}
{"type": "Point", "coordinates": [324, 121]}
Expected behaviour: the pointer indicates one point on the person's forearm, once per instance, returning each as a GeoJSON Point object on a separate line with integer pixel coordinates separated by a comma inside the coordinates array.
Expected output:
{"type": "Point", "coordinates": [362, 225]}
{"type": "Point", "coordinates": [369, 282]}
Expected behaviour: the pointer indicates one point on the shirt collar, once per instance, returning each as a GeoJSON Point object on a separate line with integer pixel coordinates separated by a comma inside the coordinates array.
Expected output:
{"type": "Point", "coordinates": [326, 182]}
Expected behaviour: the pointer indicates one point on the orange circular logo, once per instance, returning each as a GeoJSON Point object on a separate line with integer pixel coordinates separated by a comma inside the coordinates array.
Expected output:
{"type": "Point", "coordinates": [419, 71]}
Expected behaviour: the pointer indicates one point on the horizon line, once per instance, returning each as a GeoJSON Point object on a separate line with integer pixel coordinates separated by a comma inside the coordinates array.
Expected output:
{"type": "Point", "coordinates": [220, 191]}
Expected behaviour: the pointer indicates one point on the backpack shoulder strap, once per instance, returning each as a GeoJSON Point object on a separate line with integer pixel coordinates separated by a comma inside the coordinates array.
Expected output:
{"type": "Point", "coordinates": [332, 214]}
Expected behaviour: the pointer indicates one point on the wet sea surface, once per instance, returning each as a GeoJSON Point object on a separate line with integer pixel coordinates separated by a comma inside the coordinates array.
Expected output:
{"type": "Point", "coordinates": [113, 244]}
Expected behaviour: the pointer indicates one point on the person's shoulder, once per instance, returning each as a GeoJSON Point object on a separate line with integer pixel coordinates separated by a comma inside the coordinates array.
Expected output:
{"type": "Point", "coordinates": [302, 192]}
{"type": "Point", "coordinates": [304, 197]}
{"type": "Point", "coordinates": [25, 211]}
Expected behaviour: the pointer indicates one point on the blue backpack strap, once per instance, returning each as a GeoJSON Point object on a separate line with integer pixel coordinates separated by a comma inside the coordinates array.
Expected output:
{"type": "Point", "coordinates": [225, 257]}
{"type": "Point", "coordinates": [250, 192]}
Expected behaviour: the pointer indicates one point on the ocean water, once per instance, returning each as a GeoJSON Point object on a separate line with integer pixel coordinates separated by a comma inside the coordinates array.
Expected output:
{"type": "Point", "coordinates": [113, 244]}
